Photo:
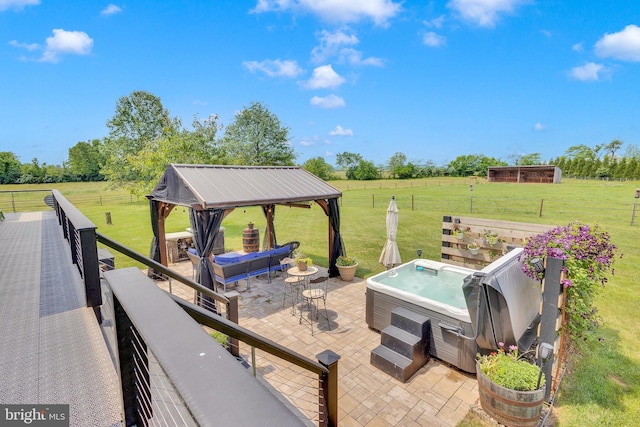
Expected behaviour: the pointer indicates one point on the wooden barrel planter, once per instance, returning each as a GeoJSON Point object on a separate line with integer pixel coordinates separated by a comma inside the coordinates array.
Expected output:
{"type": "Point", "coordinates": [250, 239]}
{"type": "Point", "coordinates": [512, 408]}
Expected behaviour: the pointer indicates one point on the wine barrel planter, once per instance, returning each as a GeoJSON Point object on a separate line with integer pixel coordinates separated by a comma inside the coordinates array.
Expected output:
{"type": "Point", "coordinates": [512, 408]}
{"type": "Point", "coordinates": [250, 239]}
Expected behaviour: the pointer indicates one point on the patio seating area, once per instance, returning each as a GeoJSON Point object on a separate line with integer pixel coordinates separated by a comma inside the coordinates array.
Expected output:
{"type": "Point", "coordinates": [437, 395]}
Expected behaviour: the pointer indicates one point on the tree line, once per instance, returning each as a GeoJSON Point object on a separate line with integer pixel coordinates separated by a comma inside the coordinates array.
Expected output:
{"type": "Point", "coordinates": [144, 138]}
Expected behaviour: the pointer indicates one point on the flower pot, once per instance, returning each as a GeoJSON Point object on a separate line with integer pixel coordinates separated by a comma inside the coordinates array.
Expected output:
{"type": "Point", "coordinates": [348, 272]}
{"type": "Point", "coordinates": [474, 251]}
{"type": "Point", "coordinates": [302, 266]}
{"type": "Point", "coordinates": [512, 408]}
{"type": "Point", "coordinates": [459, 236]}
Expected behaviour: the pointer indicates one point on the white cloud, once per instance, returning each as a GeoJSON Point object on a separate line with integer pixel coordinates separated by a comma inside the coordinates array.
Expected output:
{"type": "Point", "coordinates": [275, 68]}
{"type": "Point", "coordinates": [546, 33]}
{"type": "Point", "coordinates": [539, 127]}
{"type": "Point", "coordinates": [578, 47]}
{"type": "Point", "coordinates": [17, 4]}
{"type": "Point", "coordinates": [330, 101]}
{"type": "Point", "coordinates": [435, 22]}
{"type": "Point", "coordinates": [340, 131]}
{"type": "Point", "coordinates": [624, 45]}
{"type": "Point", "coordinates": [354, 57]}
{"type": "Point", "coordinates": [483, 12]}
{"type": "Point", "coordinates": [434, 40]}
{"type": "Point", "coordinates": [66, 42]}
{"type": "Point", "coordinates": [112, 9]}
{"type": "Point", "coordinates": [27, 46]}
{"type": "Point", "coordinates": [324, 77]}
{"type": "Point", "coordinates": [379, 11]}
{"type": "Point", "coordinates": [588, 72]}
{"type": "Point", "coordinates": [330, 44]}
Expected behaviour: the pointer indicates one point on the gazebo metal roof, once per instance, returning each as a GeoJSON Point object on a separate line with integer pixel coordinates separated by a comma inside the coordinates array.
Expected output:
{"type": "Point", "coordinates": [222, 186]}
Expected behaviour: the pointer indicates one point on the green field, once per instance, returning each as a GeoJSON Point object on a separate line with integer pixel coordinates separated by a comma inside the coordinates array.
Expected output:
{"type": "Point", "coordinates": [604, 386]}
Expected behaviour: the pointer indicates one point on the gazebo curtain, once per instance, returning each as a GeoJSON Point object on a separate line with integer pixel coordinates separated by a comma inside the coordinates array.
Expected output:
{"type": "Point", "coordinates": [338, 245]}
{"type": "Point", "coordinates": [205, 225]}
{"type": "Point", "coordinates": [154, 253]}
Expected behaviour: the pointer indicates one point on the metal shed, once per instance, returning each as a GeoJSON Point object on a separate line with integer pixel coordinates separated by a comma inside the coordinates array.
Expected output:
{"type": "Point", "coordinates": [211, 192]}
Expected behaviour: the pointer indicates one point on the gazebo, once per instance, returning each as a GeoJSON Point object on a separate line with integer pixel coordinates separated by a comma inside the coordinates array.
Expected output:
{"type": "Point", "coordinates": [211, 192]}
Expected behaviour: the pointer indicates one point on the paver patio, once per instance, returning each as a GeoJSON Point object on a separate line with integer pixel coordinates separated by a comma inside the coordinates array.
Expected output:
{"type": "Point", "coordinates": [437, 395]}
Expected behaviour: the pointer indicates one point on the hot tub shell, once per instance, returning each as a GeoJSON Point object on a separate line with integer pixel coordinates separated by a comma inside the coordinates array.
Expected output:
{"type": "Point", "coordinates": [444, 345]}
{"type": "Point", "coordinates": [502, 306]}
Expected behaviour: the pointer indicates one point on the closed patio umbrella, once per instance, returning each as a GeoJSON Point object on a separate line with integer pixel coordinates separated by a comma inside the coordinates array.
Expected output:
{"type": "Point", "coordinates": [390, 255]}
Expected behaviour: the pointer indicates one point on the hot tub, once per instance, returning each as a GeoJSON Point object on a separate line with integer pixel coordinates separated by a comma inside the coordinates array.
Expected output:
{"type": "Point", "coordinates": [471, 311]}
{"type": "Point", "coordinates": [433, 289]}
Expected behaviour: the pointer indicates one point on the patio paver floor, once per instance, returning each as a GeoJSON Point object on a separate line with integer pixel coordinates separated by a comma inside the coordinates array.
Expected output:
{"type": "Point", "coordinates": [437, 395]}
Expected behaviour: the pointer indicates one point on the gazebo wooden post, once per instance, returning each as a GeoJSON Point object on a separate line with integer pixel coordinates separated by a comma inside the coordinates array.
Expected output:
{"type": "Point", "coordinates": [269, 230]}
{"type": "Point", "coordinates": [164, 209]}
{"type": "Point", "coordinates": [325, 207]}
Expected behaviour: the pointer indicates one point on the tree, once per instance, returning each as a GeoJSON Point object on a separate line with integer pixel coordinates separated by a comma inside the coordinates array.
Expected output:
{"type": "Point", "coordinates": [632, 151]}
{"type": "Point", "coordinates": [528, 159]}
{"type": "Point", "coordinates": [397, 161]}
{"type": "Point", "coordinates": [349, 162]}
{"type": "Point", "coordinates": [612, 147]}
{"type": "Point", "coordinates": [10, 168]}
{"type": "Point", "coordinates": [581, 151]}
{"type": "Point", "coordinates": [183, 146]}
{"type": "Point", "coordinates": [139, 119]}
{"type": "Point", "coordinates": [473, 164]}
{"type": "Point", "coordinates": [365, 170]}
{"type": "Point", "coordinates": [319, 167]}
{"type": "Point", "coordinates": [86, 159]}
{"type": "Point", "coordinates": [256, 137]}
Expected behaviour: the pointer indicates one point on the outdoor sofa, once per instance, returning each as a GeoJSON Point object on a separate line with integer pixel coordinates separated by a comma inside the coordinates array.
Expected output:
{"type": "Point", "coordinates": [233, 267]}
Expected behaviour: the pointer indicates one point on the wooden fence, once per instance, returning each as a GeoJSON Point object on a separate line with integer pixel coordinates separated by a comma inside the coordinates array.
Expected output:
{"type": "Point", "coordinates": [493, 237]}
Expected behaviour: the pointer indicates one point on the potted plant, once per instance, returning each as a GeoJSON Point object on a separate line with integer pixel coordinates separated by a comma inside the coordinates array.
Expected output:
{"type": "Point", "coordinates": [491, 237]}
{"type": "Point", "coordinates": [347, 267]}
{"type": "Point", "coordinates": [511, 388]}
{"type": "Point", "coordinates": [458, 233]}
{"type": "Point", "coordinates": [473, 247]}
{"type": "Point", "coordinates": [588, 256]}
{"type": "Point", "coordinates": [302, 260]}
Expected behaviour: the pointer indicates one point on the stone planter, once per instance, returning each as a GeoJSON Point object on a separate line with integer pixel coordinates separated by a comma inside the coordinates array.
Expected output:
{"type": "Point", "coordinates": [347, 273]}
{"type": "Point", "coordinates": [512, 408]}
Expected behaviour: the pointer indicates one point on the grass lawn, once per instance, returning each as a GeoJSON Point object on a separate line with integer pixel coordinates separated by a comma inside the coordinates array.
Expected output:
{"type": "Point", "coordinates": [604, 386]}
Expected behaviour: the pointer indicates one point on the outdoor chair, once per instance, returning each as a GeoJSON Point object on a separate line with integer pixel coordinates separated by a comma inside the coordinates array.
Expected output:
{"type": "Point", "coordinates": [291, 285]}
{"type": "Point", "coordinates": [195, 260]}
{"type": "Point", "coordinates": [311, 296]}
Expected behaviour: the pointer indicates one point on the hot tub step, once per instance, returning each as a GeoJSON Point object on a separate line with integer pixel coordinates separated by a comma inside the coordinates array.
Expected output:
{"type": "Point", "coordinates": [392, 363]}
{"type": "Point", "coordinates": [405, 343]}
{"type": "Point", "coordinates": [410, 321]}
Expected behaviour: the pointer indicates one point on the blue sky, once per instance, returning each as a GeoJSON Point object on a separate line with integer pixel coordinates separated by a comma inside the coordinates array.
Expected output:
{"type": "Point", "coordinates": [430, 79]}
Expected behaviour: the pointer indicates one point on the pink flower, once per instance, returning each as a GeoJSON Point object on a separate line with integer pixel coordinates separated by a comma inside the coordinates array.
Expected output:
{"type": "Point", "coordinates": [500, 344]}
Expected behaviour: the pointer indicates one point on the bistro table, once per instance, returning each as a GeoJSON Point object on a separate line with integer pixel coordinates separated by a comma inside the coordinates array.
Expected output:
{"type": "Point", "coordinates": [306, 274]}
{"type": "Point", "coordinates": [304, 277]}
{"type": "Point", "coordinates": [304, 282]}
